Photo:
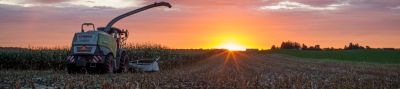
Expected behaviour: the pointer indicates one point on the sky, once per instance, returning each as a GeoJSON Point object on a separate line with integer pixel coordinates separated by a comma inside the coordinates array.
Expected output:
{"type": "Point", "coordinates": [207, 23]}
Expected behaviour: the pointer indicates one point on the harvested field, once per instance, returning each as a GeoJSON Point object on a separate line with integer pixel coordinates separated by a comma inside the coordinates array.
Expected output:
{"type": "Point", "coordinates": [224, 70]}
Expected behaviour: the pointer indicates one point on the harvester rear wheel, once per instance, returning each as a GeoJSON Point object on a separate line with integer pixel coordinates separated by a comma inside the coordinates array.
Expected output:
{"type": "Point", "coordinates": [123, 64]}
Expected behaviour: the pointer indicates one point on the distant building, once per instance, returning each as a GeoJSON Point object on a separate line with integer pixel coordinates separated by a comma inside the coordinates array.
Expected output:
{"type": "Point", "coordinates": [251, 50]}
{"type": "Point", "coordinates": [389, 49]}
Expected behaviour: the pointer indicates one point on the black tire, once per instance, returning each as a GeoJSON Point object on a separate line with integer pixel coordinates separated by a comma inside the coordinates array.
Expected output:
{"type": "Point", "coordinates": [71, 69]}
{"type": "Point", "coordinates": [91, 70]}
{"type": "Point", "coordinates": [108, 64]}
{"type": "Point", "coordinates": [81, 70]}
{"type": "Point", "coordinates": [123, 67]}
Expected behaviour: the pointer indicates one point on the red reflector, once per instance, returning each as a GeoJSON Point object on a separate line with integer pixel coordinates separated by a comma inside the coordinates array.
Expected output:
{"type": "Point", "coordinates": [84, 49]}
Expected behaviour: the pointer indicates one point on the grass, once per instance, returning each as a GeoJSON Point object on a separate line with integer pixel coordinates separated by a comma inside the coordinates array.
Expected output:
{"type": "Point", "coordinates": [369, 56]}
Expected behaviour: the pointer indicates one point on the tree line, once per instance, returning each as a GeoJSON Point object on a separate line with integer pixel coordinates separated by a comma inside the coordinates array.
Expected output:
{"type": "Point", "coordinates": [299, 46]}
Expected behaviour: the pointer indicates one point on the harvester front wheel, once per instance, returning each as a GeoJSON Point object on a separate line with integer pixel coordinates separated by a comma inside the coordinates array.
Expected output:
{"type": "Point", "coordinates": [71, 68]}
{"type": "Point", "coordinates": [108, 64]}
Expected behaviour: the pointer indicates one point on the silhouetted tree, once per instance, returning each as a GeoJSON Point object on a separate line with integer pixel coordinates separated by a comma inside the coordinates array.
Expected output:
{"type": "Point", "coordinates": [273, 47]}
{"type": "Point", "coordinates": [331, 48]}
{"type": "Point", "coordinates": [304, 47]}
{"type": "Point", "coordinates": [353, 46]}
{"type": "Point", "coordinates": [367, 47]}
{"type": "Point", "coordinates": [311, 47]}
{"type": "Point", "coordinates": [317, 47]}
{"type": "Point", "coordinates": [290, 45]}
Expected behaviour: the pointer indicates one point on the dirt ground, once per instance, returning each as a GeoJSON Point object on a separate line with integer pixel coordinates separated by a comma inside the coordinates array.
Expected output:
{"type": "Point", "coordinates": [225, 70]}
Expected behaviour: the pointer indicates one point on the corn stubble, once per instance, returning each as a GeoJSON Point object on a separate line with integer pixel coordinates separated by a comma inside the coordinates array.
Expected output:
{"type": "Point", "coordinates": [217, 69]}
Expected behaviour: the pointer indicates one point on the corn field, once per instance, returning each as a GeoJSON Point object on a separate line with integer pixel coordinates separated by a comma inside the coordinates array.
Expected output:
{"type": "Point", "coordinates": [32, 58]}
{"type": "Point", "coordinates": [40, 58]}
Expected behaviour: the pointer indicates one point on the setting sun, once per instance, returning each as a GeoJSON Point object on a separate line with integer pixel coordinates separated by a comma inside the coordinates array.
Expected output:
{"type": "Point", "coordinates": [232, 47]}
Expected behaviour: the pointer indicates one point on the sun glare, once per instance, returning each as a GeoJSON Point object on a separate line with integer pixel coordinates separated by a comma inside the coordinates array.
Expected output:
{"type": "Point", "coordinates": [233, 47]}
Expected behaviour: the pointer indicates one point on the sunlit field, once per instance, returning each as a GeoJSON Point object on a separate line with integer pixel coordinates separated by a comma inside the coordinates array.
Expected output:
{"type": "Point", "coordinates": [368, 56]}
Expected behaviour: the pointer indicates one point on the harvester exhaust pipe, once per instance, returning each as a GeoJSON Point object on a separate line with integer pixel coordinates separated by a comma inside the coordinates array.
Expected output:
{"type": "Point", "coordinates": [116, 19]}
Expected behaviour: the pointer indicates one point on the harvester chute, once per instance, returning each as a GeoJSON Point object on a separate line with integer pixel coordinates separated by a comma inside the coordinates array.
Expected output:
{"type": "Point", "coordinates": [116, 19]}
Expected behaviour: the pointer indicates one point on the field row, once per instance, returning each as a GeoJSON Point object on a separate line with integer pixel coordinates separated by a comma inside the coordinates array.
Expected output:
{"type": "Point", "coordinates": [225, 70]}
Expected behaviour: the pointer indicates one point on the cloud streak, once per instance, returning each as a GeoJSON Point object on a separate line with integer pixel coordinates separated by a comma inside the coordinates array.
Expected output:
{"type": "Point", "coordinates": [291, 5]}
{"type": "Point", "coordinates": [74, 3]}
{"type": "Point", "coordinates": [396, 8]}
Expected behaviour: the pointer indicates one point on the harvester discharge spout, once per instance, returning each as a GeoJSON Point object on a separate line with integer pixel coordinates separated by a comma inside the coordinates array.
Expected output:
{"type": "Point", "coordinates": [116, 19]}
